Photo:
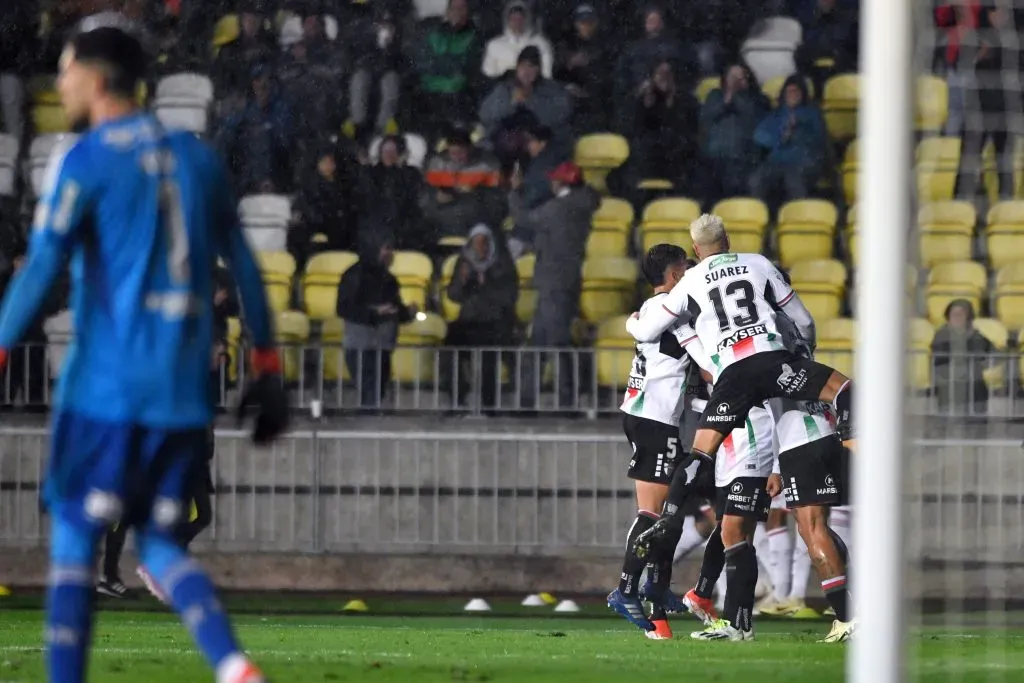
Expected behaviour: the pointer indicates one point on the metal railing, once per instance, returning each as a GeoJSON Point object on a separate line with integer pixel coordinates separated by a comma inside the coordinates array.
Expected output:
{"type": "Point", "coordinates": [480, 493]}
{"type": "Point", "coordinates": [510, 380]}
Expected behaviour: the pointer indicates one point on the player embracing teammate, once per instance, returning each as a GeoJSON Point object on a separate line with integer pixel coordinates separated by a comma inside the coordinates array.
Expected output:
{"type": "Point", "coordinates": [739, 306]}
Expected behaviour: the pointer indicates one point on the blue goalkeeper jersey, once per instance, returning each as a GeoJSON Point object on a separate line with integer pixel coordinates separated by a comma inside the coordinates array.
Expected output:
{"type": "Point", "coordinates": [142, 214]}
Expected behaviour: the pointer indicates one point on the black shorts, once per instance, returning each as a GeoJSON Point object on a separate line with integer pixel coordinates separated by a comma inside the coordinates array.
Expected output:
{"type": "Point", "coordinates": [656, 449]}
{"type": "Point", "coordinates": [751, 381]}
{"type": "Point", "coordinates": [744, 497]}
{"type": "Point", "coordinates": [813, 474]}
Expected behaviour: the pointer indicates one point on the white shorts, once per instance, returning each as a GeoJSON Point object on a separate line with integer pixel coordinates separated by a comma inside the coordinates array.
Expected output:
{"type": "Point", "coordinates": [778, 502]}
{"type": "Point", "coordinates": [747, 451]}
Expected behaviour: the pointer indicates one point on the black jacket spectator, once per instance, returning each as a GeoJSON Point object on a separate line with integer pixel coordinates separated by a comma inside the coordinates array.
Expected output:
{"type": "Point", "coordinates": [638, 60]}
{"type": "Point", "coordinates": [486, 286]}
{"type": "Point", "coordinates": [544, 158]}
{"type": "Point", "coordinates": [664, 130]}
{"type": "Point", "coordinates": [830, 42]}
{"type": "Point", "coordinates": [370, 303]}
{"type": "Point", "coordinates": [462, 188]}
{"type": "Point", "coordinates": [960, 355]}
{"type": "Point", "coordinates": [584, 61]}
{"type": "Point", "coordinates": [389, 195]}
{"type": "Point", "coordinates": [255, 46]}
{"type": "Point", "coordinates": [324, 204]}
{"type": "Point", "coordinates": [312, 73]}
{"type": "Point", "coordinates": [19, 23]}
{"type": "Point", "coordinates": [257, 142]}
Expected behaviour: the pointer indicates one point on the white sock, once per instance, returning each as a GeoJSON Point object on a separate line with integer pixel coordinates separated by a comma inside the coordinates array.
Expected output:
{"type": "Point", "coordinates": [780, 545]}
{"type": "Point", "coordinates": [801, 570]}
{"type": "Point", "coordinates": [839, 520]}
{"type": "Point", "coordinates": [720, 588]}
{"type": "Point", "coordinates": [764, 555]}
{"type": "Point", "coordinates": [689, 541]}
{"type": "Point", "coordinates": [231, 668]}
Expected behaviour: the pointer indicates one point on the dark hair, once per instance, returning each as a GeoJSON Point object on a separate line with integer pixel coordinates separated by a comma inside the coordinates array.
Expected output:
{"type": "Point", "coordinates": [118, 53]}
{"type": "Point", "coordinates": [960, 303]}
{"type": "Point", "coordinates": [658, 259]}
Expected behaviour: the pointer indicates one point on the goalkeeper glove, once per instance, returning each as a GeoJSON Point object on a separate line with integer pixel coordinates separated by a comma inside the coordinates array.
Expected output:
{"type": "Point", "coordinates": [703, 484]}
{"type": "Point", "coordinates": [266, 392]}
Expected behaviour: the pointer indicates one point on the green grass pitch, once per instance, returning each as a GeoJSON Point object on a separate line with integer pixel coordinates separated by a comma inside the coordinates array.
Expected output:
{"type": "Point", "coordinates": [590, 647]}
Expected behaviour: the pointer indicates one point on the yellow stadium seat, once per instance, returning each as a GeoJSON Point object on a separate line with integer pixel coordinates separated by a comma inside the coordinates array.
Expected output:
{"type": "Point", "coordinates": [609, 288]}
{"type": "Point", "coordinates": [705, 87]}
{"type": "Point", "coordinates": [938, 160]}
{"type": "Point", "coordinates": [414, 272]}
{"type": "Point", "coordinates": [292, 336]}
{"type": "Point", "coordinates": [1004, 234]}
{"type": "Point", "coordinates": [332, 334]}
{"type": "Point", "coordinates": [946, 229]}
{"type": "Point", "coordinates": [821, 300]}
{"type": "Point", "coordinates": [807, 229]}
{"type": "Point", "coordinates": [320, 282]}
{"type": "Point", "coordinates": [449, 308]}
{"type": "Point", "coordinates": [225, 31]}
{"type": "Point", "coordinates": [919, 362]}
{"type": "Point", "coordinates": [652, 184]}
{"type": "Point", "coordinates": [667, 220]}
{"type": "Point", "coordinates": [1009, 296]}
{"type": "Point", "coordinates": [527, 302]}
{"type": "Point", "coordinates": [772, 88]}
{"type": "Point", "coordinates": [615, 350]}
{"type": "Point", "coordinates": [932, 108]}
{"type": "Point", "coordinates": [598, 155]}
{"type": "Point", "coordinates": [840, 102]}
{"type": "Point", "coordinates": [611, 228]}
{"type": "Point", "coordinates": [995, 372]}
{"type": "Point", "coordinates": [836, 339]}
{"type": "Point", "coordinates": [743, 214]}
{"type": "Point", "coordinates": [823, 272]}
{"type": "Point", "coordinates": [49, 118]}
{"type": "Point", "coordinates": [277, 269]}
{"type": "Point", "coordinates": [416, 356]}
{"type": "Point", "coordinates": [963, 272]}
{"type": "Point", "coordinates": [851, 171]}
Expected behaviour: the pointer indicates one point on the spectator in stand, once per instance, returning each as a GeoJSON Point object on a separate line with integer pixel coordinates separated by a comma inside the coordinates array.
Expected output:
{"type": "Point", "coordinates": [255, 47]}
{"type": "Point", "coordinates": [560, 229]}
{"type": "Point", "coordinates": [375, 50]}
{"type": "Point", "coordinates": [388, 196]}
{"type": "Point", "coordinates": [257, 142]}
{"type": "Point", "coordinates": [543, 158]}
{"type": "Point", "coordinates": [830, 43]}
{"type": "Point", "coordinates": [794, 137]}
{"type": "Point", "coordinates": [960, 355]}
{"type": "Point", "coordinates": [584, 62]}
{"type": "Point", "coordinates": [522, 101]}
{"type": "Point", "coordinates": [18, 27]}
{"type": "Point", "coordinates": [993, 106]}
{"type": "Point", "coordinates": [448, 62]}
{"type": "Point", "coordinates": [502, 53]}
{"type": "Point", "coordinates": [960, 19]}
{"type": "Point", "coordinates": [486, 286]}
{"type": "Point", "coordinates": [728, 120]}
{"type": "Point", "coordinates": [640, 57]}
{"type": "Point", "coordinates": [663, 137]}
{"type": "Point", "coordinates": [324, 204]}
{"type": "Point", "coordinates": [370, 303]}
{"type": "Point", "coordinates": [312, 73]}
{"type": "Point", "coordinates": [462, 188]}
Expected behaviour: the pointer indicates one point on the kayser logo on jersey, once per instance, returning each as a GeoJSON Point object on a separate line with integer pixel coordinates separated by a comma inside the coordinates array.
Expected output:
{"type": "Point", "coordinates": [740, 335]}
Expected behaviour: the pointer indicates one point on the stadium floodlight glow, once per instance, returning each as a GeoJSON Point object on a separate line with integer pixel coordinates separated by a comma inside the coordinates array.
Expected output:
{"type": "Point", "coordinates": [877, 653]}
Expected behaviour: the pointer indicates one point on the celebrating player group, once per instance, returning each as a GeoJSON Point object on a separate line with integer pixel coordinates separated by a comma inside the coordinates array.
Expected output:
{"type": "Point", "coordinates": [781, 421]}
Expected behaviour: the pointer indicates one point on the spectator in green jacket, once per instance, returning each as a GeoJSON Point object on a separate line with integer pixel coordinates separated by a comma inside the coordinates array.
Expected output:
{"type": "Point", "coordinates": [449, 68]}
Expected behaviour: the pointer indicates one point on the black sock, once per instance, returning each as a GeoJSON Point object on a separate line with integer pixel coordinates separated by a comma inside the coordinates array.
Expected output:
{"type": "Point", "coordinates": [112, 552]}
{"type": "Point", "coordinates": [711, 567]}
{"type": "Point", "coordinates": [660, 567]}
{"type": "Point", "coordinates": [741, 575]}
{"type": "Point", "coordinates": [676, 490]}
{"type": "Point", "coordinates": [838, 597]}
{"type": "Point", "coordinates": [632, 566]}
{"type": "Point", "coordinates": [844, 552]}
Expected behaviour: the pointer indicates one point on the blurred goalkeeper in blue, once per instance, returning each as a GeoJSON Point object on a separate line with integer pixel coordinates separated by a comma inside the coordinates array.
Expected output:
{"type": "Point", "coordinates": [142, 214]}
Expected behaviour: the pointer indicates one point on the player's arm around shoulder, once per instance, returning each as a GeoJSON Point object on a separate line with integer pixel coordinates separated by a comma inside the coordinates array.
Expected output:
{"type": "Point", "coordinates": [659, 314]}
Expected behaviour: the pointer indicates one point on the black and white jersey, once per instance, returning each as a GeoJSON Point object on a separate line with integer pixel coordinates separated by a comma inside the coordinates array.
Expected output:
{"type": "Point", "coordinates": [731, 301]}
{"type": "Point", "coordinates": [656, 389]}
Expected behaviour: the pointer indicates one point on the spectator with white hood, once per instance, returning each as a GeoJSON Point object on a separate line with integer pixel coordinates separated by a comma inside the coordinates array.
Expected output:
{"type": "Point", "coordinates": [502, 52]}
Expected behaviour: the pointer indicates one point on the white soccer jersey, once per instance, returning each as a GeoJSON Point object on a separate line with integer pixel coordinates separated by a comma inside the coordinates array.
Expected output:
{"type": "Point", "coordinates": [732, 301]}
{"type": "Point", "coordinates": [747, 451]}
{"type": "Point", "coordinates": [657, 382]}
{"type": "Point", "coordinates": [798, 423]}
